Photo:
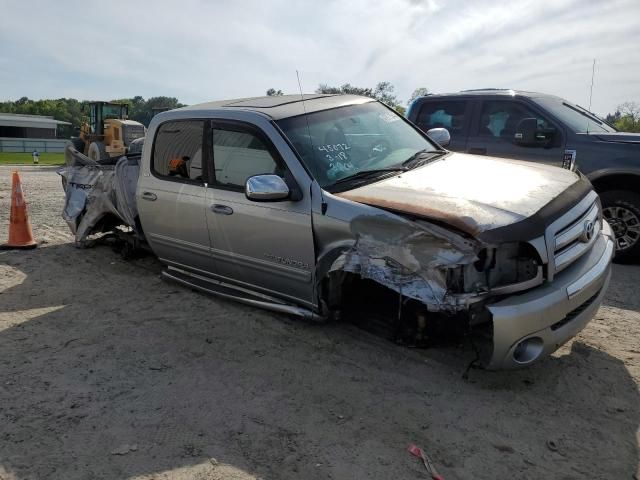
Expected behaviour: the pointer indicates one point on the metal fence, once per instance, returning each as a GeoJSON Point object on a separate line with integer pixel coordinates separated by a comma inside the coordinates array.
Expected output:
{"type": "Point", "coordinates": [28, 145]}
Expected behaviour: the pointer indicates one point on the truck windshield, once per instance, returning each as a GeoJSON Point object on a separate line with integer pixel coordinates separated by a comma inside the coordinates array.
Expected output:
{"type": "Point", "coordinates": [343, 142]}
{"type": "Point", "coordinates": [576, 118]}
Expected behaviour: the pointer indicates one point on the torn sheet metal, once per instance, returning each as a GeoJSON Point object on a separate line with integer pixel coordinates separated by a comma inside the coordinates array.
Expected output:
{"type": "Point", "coordinates": [408, 257]}
{"type": "Point", "coordinates": [93, 191]}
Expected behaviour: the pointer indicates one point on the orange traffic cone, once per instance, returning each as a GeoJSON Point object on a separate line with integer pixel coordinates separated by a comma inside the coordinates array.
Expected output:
{"type": "Point", "coordinates": [20, 235]}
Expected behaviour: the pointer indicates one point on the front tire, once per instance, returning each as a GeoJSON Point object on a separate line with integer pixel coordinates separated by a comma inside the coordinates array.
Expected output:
{"type": "Point", "coordinates": [621, 208]}
{"type": "Point", "coordinates": [97, 151]}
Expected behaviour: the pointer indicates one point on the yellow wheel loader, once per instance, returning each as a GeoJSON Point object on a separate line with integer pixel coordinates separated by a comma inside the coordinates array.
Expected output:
{"type": "Point", "coordinates": [106, 132]}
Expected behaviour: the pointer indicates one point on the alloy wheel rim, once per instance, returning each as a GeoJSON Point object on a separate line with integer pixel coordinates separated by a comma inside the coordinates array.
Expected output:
{"type": "Point", "coordinates": [625, 225]}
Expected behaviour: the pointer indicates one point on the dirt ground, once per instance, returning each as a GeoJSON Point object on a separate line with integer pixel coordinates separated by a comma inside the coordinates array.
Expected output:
{"type": "Point", "coordinates": [107, 372]}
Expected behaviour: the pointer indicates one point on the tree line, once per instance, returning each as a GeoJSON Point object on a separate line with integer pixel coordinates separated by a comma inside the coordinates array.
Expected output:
{"type": "Point", "coordinates": [626, 117]}
{"type": "Point", "coordinates": [71, 110]}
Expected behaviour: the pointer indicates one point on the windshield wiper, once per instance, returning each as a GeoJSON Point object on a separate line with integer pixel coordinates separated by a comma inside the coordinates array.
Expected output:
{"type": "Point", "coordinates": [417, 158]}
{"type": "Point", "coordinates": [368, 173]}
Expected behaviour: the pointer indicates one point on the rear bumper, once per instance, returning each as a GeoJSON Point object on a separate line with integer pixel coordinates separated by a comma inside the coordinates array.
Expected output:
{"type": "Point", "coordinates": [548, 316]}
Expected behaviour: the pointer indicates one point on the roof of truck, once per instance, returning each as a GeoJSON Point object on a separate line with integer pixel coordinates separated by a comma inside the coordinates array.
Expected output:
{"type": "Point", "coordinates": [283, 106]}
{"type": "Point", "coordinates": [507, 92]}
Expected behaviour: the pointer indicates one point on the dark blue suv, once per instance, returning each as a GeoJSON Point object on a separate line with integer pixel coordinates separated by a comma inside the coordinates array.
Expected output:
{"type": "Point", "coordinates": [544, 128]}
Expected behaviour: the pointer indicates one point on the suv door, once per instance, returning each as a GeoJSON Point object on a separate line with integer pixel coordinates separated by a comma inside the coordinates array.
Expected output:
{"type": "Point", "coordinates": [494, 128]}
{"type": "Point", "coordinates": [450, 114]}
{"type": "Point", "coordinates": [264, 245]}
{"type": "Point", "coordinates": [171, 198]}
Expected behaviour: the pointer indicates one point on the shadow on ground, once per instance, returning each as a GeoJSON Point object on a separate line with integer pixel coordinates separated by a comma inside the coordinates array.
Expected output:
{"type": "Point", "coordinates": [108, 372]}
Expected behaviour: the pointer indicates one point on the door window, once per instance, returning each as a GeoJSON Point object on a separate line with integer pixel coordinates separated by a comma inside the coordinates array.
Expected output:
{"type": "Point", "coordinates": [238, 155]}
{"type": "Point", "coordinates": [447, 114]}
{"type": "Point", "coordinates": [177, 151]}
{"type": "Point", "coordinates": [499, 119]}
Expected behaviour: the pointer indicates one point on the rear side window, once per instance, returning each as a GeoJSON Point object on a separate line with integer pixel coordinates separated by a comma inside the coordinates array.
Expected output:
{"type": "Point", "coordinates": [446, 114]}
{"type": "Point", "coordinates": [238, 155]}
{"type": "Point", "coordinates": [177, 150]}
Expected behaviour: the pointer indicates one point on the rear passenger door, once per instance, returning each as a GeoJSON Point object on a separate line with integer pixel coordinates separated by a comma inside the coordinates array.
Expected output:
{"type": "Point", "coordinates": [261, 245]}
{"type": "Point", "coordinates": [494, 129]}
{"type": "Point", "coordinates": [171, 196]}
{"type": "Point", "coordinates": [450, 114]}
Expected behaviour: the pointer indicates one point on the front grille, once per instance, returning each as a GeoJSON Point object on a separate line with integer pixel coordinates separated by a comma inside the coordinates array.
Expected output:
{"type": "Point", "coordinates": [574, 233]}
{"type": "Point", "coordinates": [132, 132]}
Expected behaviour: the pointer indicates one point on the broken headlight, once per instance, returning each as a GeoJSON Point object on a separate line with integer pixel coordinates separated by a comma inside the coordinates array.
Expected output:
{"type": "Point", "coordinates": [510, 267]}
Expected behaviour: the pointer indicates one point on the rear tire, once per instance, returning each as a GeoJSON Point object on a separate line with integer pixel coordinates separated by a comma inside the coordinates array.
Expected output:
{"type": "Point", "coordinates": [97, 151]}
{"type": "Point", "coordinates": [621, 208]}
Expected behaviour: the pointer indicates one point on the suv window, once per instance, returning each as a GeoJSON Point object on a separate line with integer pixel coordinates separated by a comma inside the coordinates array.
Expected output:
{"type": "Point", "coordinates": [177, 150]}
{"type": "Point", "coordinates": [500, 118]}
{"type": "Point", "coordinates": [449, 114]}
{"type": "Point", "coordinates": [238, 155]}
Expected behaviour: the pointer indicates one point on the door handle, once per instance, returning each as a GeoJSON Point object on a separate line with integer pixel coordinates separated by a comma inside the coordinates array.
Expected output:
{"type": "Point", "coordinates": [149, 196]}
{"type": "Point", "coordinates": [221, 209]}
{"type": "Point", "coordinates": [477, 151]}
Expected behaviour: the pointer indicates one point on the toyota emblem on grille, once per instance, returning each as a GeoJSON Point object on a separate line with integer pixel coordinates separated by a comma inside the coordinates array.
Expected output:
{"type": "Point", "coordinates": [587, 234]}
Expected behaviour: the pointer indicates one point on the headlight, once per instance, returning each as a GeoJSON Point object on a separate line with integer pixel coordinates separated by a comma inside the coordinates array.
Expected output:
{"type": "Point", "coordinates": [507, 268]}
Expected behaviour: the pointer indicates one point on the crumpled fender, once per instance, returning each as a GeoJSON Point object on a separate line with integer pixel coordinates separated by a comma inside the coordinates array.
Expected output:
{"type": "Point", "coordinates": [410, 257]}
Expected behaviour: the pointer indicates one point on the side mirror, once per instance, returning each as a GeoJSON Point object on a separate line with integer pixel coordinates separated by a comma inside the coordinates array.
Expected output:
{"type": "Point", "coordinates": [440, 135]}
{"type": "Point", "coordinates": [526, 131]}
{"type": "Point", "coordinates": [266, 188]}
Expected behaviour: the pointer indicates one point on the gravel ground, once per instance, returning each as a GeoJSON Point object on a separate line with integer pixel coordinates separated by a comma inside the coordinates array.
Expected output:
{"type": "Point", "coordinates": [107, 372]}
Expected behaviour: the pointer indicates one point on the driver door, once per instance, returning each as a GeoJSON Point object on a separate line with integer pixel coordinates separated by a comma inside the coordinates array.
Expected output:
{"type": "Point", "coordinates": [265, 245]}
{"type": "Point", "coordinates": [495, 127]}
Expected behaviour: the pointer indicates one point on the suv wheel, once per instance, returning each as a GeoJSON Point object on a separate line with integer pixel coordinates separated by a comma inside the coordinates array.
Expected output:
{"type": "Point", "coordinates": [621, 209]}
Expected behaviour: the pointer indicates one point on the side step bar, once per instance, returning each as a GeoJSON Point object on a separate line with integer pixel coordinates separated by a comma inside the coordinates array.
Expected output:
{"type": "Point", "coordinates": [224, 290]}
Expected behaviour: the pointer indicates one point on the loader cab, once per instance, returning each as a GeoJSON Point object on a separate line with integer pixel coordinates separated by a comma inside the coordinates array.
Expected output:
{"type": "Point", "coordinates": [98, 112]}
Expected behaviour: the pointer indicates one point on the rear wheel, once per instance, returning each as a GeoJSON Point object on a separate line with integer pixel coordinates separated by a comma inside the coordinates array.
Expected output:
{"type": "Point", "coordinates": [97, 151]}
{"type": "Point", "coordinates": [621, 209]}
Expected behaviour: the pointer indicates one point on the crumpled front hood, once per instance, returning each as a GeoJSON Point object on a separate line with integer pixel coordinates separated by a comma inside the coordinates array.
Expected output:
{"type": "Point", "coordinates": [470, 192]}
{"type": "Point", "coordinates": [618, 137]}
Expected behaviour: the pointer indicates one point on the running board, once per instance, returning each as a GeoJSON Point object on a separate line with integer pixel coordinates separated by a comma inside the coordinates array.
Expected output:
{"type": "Point", "coordinates": [224, 290]}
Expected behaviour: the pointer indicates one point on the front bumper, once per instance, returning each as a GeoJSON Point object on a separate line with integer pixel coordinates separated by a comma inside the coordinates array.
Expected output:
{"type": "Point", "coordinates": [531, 325]}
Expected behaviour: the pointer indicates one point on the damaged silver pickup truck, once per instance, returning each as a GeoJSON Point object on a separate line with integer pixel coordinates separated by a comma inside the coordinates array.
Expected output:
{"type": "Point", "coordinates": [337, 206]}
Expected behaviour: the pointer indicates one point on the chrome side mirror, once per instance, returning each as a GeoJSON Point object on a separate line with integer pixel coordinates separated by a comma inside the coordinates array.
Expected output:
{"type": "Point", "coordinates": [440, 135]}
{"type": "Point", "coordinates": [265, 188]}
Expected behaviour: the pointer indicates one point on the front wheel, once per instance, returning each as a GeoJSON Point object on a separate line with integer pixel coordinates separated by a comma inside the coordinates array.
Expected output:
{"type": "Point", "coordinates": [97, 151]}
{"type": "Point", "coordinates": [621, 209]}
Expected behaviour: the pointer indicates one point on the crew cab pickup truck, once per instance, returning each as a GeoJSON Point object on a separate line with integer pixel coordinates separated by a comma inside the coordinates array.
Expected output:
{"type": "Point", "coordinates": [334, 205]}
{"type": "Point", "coordinates": [546, 129]}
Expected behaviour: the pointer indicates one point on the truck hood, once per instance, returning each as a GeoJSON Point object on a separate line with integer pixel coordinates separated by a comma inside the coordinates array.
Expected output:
{"type": "Point", "coordinates": [618, 137]}
{"type": "Point", "coordinates": [474, 193]}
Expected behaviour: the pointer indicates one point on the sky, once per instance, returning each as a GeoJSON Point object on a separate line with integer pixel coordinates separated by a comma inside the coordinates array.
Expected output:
{"type": "Point", "coordinates": [202, 50]}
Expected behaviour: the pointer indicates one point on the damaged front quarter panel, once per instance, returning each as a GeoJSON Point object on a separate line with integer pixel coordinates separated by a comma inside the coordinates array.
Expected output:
{"type": "Point", "coordinates": [414, 258]}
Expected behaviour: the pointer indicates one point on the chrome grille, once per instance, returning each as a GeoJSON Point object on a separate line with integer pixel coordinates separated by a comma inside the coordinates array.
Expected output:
{"type": "Point", "coordinates": [573, 234]}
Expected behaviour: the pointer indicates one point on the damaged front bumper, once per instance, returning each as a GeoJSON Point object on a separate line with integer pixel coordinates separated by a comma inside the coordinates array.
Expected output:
{"type": "Point", "coordinates": [531, 325]}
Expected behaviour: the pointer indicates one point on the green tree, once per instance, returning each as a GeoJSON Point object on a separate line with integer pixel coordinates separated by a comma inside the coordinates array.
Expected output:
{"type": "Point", "coordinates": [418, 92]}
{"type": "Point", "coordinates": [628, 117]}
{"type": "Point", "coordinates": [272, 92]}
{"type": "Point", "coordinates": [383, 91]}
{"type": "Point", "coordinates": [142, 110]}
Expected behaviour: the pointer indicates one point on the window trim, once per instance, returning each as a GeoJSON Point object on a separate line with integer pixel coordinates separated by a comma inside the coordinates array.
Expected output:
{"type": "Point", "coordinates": [240, 127]}
{"type": "Point", "coordinates": [176, 179]}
